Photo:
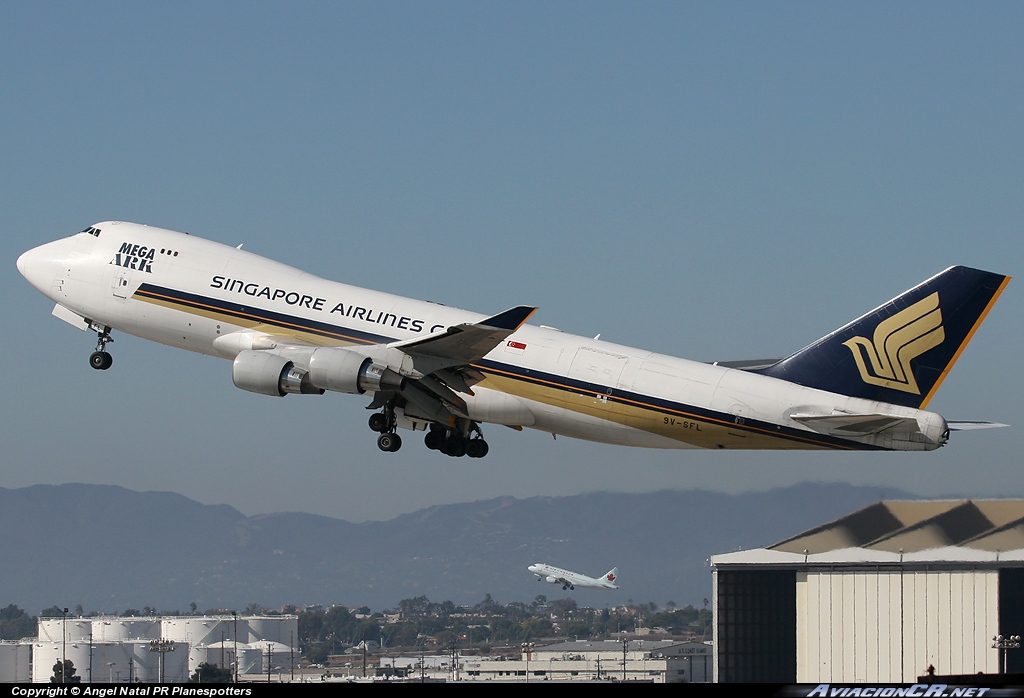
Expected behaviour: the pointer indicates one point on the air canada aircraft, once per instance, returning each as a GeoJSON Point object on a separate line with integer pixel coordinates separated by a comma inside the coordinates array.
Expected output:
{"type": "Point", "coordinates": [447, 371]}
{"type": "Point", "coordinates": [571, 580]}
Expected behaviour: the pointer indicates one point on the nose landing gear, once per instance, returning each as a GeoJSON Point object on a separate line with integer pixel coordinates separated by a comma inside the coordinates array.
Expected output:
{"type": "Point", "coordinates": [100, 359]}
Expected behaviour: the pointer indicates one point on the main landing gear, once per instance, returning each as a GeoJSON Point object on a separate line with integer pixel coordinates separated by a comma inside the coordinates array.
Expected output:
{"type": "Point", "coordinates": [384, 423]}
{"type": "Point", "coordinates": [452, 443]}
{"type": "Point", "coordinates": [455, 442]}
{"type": "Point", "coordinates": [100, 359]}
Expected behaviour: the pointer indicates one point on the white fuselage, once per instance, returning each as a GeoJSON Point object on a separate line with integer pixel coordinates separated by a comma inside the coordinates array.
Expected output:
{"type": "Point", "coordinates": [206, 297]}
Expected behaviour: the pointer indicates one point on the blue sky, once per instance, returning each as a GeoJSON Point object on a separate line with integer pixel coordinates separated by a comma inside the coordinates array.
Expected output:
{"type": "Point", "coordinates": [708, 180]}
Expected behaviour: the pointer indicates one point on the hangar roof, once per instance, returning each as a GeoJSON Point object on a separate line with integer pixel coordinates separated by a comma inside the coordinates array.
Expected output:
{"type": "Point", "coordinates": [887, 532]}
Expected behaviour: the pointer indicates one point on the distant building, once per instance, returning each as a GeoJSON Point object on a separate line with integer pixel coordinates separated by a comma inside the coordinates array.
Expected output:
{"type": "Point", "coordinates": [653, 661]}
{"type": "Point", "coordinates": [879, 595]}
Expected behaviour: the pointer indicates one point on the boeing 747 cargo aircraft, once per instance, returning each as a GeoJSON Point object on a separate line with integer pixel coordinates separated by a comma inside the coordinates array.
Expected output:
{"type": "Point", "coordinates": [447, 371]}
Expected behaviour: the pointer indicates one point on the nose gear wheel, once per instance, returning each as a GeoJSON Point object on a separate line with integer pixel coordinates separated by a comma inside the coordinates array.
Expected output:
{"type": "Point", "coordinates": [101, 359]}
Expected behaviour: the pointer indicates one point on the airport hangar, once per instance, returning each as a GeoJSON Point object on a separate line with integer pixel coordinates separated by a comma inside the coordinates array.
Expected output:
{"type": "Point", "coordinates": [879, 595]}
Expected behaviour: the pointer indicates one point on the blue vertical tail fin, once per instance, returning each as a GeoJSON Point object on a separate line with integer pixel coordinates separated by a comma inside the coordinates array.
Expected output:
{"type": "Point", "coordinates": [901, 351]}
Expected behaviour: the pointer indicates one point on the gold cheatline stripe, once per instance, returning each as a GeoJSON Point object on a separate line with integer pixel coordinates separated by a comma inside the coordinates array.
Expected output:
{"type": "Point", "coordinates": [234, 314]}
{"type": "Point", "coordinates": [194, 305]}
{"type": "Point", "coordinates": [963, 345]}
{"type": "Point", "coordinates": [690, 415]}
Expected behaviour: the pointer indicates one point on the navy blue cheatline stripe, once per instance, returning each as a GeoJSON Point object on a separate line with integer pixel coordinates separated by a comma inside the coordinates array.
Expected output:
{"type": "Point", "coordinates": [266, 317]}
{"type": "Point", "coordinates": [624, 397]}
{"type": "Point", "coordinates": [670, 407]}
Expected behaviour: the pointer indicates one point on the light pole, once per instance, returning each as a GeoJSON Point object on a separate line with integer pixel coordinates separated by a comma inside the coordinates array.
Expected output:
{"type": "Point", "coordinates": [162, 647]}
{"type": "Point", "coordinates": [64, 644]}
{"type": "Point", "coordinates": [1004, 643]}
{"type": "Point", "coordinates": [625, 642]}
{"type": "Point", "coordinates": [110, 671]}
{"type": "Point", "coordinates": [528, 648]}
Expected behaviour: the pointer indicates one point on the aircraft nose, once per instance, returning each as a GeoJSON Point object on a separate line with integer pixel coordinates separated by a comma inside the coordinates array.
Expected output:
{"type": "Point", "coordinates": [39, 265]}
{"type": "Point", "coordinates": [31, 269]}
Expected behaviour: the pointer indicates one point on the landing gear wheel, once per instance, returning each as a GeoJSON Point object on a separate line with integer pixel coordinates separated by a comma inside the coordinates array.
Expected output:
{"type": "Point", "coordinates": [434, 440]}
{"type": "Point", "coordinates": [101, 360]}
{"type": "Point", "coordinates": [389, 442]}
{"type": "Point", "coordinates": [455, 447]}
{"type": "Point", "coordinates": [379, 422]}
{"type": "Point", "coordinates": [476, 448]}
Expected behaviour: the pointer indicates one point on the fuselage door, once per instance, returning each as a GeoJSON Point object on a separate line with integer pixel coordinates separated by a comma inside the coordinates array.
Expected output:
{"type": "Point", "coordinates": [121, 282]}
{"type": "Point", "coordinates": [599, 367]}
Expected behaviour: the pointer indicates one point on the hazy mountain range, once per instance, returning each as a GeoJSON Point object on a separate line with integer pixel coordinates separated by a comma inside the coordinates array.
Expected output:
{"type": "Point", "coordinates": [109, 548]}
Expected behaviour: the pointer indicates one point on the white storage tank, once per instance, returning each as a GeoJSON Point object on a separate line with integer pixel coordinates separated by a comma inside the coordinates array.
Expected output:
{"type": "Point", "coordinates": [14, 662]}
{"type": "Point", "coordinates": [46, 654]}
{"type": "Point", "coordinates": [218, 654]}
{"type": "Point", "coordinates": [118, 629]}
{"type": "Point", "coordinates": [204, 630]}
{"type": "Point", "coordinates": [283, 629]}
{"type": "Point", "coordinates": [279, 656]}
{"type": "Point", "coordinates": [49, 629]}
{"type": "Point", "coordinates": [250, 660]}
{"type": "Point", "coordinates": [146, 663]}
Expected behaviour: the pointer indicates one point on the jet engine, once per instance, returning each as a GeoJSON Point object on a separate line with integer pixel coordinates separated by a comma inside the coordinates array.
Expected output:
{"type": "Point", "coordinates": [345, 371]}
{"type": "Point", "coordinates": [270, 374]}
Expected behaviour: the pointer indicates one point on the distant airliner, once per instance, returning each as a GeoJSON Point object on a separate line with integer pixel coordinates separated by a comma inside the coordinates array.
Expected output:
{"type": "Point", "coordinates": [447, 371]}
{"type": "Point", "coordinates": [571, 580]}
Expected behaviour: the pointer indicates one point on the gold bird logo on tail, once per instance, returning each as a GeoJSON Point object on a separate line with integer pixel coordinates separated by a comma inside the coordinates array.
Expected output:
{"type": "Point", "coordinates": [899, 340]}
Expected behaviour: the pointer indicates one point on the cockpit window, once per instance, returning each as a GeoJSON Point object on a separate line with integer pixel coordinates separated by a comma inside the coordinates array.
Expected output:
{"type": "Point", "coordinates": [92, 230]}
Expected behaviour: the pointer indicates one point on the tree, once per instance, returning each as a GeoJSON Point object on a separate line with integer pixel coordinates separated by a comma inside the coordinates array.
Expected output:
{"type": "Point", "coordinates": [210, 673]}
{"type": "Point", "coordinates": [16, 623]}
{"type": "Point", "coordinates": [67, 675]}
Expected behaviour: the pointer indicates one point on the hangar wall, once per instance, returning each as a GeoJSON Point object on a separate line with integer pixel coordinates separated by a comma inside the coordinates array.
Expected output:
{"type": "Point", "coordinates": [885, 625]}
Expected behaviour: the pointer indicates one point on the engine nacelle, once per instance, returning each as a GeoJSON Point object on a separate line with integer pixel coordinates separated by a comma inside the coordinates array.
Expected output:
{"type": "Point", "coordinates": [345, 371]}
{"type": "Point", "coordinates": [270, 374]}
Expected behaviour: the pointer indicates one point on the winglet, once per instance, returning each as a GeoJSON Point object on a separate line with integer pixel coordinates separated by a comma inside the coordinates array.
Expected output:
{"type": "Point", "coordinates": [463, 344]}
{"type": "Point", "coordinates": [511, 319]}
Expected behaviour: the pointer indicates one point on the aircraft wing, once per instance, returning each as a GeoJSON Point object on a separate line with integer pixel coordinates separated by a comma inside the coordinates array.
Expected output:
{"type": "Point", "coordinates": [437, 366]}
{"type": "Point", "coordinates": [442, 362]}
{"type": "Point", "coordinates": [463, 344]}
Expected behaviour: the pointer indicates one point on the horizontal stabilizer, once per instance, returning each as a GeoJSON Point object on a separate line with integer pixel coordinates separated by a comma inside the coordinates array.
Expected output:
{"type": "Point", "coordinates": [971, 425]}
{"type": "Point", "coordinates": [855, 424]}
{"type": "Point", "coordinates": [747, 364]}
